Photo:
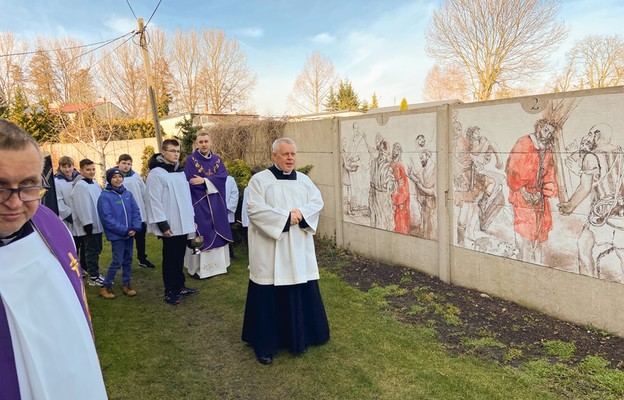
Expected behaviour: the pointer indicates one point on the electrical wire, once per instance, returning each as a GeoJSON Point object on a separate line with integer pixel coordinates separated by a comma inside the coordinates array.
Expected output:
{"type": "Point", "coordinates": [128, 2]}
{"type": "Point", "coordinates": [104, 42]}
{"type": "Point", "coordinates": [111, 52]}
{"type": "Point", "coordinates": [153, 12]}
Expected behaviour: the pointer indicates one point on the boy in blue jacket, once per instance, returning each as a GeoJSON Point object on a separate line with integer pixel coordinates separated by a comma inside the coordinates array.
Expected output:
{"type": "Point", "coordinates": [121, 219]}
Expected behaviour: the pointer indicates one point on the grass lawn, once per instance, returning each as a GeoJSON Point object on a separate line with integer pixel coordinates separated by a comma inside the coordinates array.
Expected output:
{"type": "Point", "coordinates": [151, 350]}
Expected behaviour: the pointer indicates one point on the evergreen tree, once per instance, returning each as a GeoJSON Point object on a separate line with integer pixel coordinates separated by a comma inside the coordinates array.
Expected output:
{"type": "Point", "coordinates": [187, 138]}
{"type": "Point", "coordinates": [364, 106]}
{"type": "Point", "coordinates": [403, 105]}
{"type": "Point", "coordinates": [347, 98]}
{"type": "Point", "coordinates": [374, 103]}
{"type": "Point", "coordinates": [35, 119]}
{"type": "Point", "coordinates": [332, 101]}
{"type": "Point", "coordinates": [148, 152]}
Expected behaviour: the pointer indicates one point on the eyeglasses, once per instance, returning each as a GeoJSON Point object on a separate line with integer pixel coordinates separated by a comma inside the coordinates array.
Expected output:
{"type": "Point", "coordinates": [29, 193]}
{"type": "Point", "coordinates": [173, 151]}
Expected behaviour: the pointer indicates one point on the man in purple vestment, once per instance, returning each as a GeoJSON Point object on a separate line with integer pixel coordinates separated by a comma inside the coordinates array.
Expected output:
{"type": "Point", "coordinates": [207, 174]}
{"type": "Point", "coordinates": [37, 247]}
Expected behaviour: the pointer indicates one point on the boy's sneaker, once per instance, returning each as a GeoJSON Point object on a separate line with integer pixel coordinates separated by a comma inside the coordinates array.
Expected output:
{"type": "Point", "coordinates": [146, 264]}
{"type": "Point", "coordinates": [107, 293]}
{"type": "Point", "coordinates": [186, 291]}
{"type": "Point", "coordinates": [96, 280]}
{"type": "Point", "coordinates": [171, 298]}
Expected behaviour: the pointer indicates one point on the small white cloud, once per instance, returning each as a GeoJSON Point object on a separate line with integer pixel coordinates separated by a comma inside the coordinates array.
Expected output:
{"type": "Point", "coordinates": [121, 25]}
{"type": "Point", "coordinates": [323, 38]}
{"type": "Point", "coordinates": [250, 32]}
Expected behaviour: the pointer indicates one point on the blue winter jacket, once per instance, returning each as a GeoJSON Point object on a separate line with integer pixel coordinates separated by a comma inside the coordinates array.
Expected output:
{"type": "Point", "coordinates": [118, 212]}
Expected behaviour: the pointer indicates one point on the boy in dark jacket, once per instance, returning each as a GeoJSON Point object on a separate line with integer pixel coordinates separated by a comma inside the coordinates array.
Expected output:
{"type": "Point", "coordinates": [121, 219]}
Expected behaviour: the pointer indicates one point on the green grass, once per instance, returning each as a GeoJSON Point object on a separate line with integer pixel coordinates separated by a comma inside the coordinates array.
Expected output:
{"type": "Point", "coordinates": [562, 350]}
{"type": "Point", "coordinates": [151, 350]}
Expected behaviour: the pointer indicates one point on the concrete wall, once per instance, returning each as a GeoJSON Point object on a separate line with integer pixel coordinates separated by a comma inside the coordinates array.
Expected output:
{"type": "Point", "coordinates": [459, 243]}
{"type": "Point", "coordinates": [447, 232]}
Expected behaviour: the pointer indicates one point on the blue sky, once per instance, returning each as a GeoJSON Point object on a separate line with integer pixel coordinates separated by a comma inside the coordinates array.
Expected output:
{"type": "Point", "coordinates": [378, 45]}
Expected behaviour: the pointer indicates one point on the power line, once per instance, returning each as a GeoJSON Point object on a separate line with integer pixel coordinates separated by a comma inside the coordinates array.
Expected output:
{"type": "Point", "coordinates": [153, 12]}
{"type": "Point", "coordinates": [104, 42]}
{"type": "Point", "coordinates": [128, 2]}
{"type": "Point", "coordinates": [111, 52]}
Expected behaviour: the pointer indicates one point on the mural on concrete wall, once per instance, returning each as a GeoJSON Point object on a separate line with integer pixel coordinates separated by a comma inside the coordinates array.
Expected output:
{"type": "Point", "coordinates": [544, 187]}
{"type": "Point", "coordinates": [389, 174]}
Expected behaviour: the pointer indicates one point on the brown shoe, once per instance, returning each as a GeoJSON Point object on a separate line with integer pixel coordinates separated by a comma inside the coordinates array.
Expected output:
{"type": "Point", "coordinates": [129, 291]}
{"type": "Point", "coordinates": [107, 293]}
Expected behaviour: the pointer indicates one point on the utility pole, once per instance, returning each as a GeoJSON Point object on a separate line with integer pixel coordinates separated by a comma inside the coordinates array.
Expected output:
{"type": "Point", "coordinates": [150, 85]}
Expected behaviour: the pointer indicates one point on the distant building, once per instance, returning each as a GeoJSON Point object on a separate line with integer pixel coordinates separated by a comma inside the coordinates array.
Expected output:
{"type": "Point", "coordinates": [204, 120]}
{"type": "Point", "coordinates": [102, 108]}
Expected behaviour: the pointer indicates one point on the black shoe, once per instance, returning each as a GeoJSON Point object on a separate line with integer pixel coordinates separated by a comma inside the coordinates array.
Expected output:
{"type": "Point", "coordinates": [186, 291]}
{"type": "Point", "coordinates": [146, 264]}
{"type": "Point", "coordinates": [265, 360]}
{"type": "Point", "coordinates": [171, 298]}
{"type": "Point", "coordinates": [196, 276]}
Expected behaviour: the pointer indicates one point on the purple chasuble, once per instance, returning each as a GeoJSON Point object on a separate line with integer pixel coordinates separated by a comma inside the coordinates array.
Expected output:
{"type": "Point", "coordinates": [60, 242]}
{"type": "Point", "coordinates": [211, 214]}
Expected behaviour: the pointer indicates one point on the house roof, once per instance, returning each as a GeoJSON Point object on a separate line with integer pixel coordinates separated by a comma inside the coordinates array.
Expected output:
{"type": "Point", "coordinates": [72, 108]}
{"type": "Point", "coordinates": [103, 108]}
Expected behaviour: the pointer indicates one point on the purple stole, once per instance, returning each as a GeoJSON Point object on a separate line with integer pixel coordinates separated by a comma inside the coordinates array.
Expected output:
{"type": "Point", "coordinates": [60, 242]}
{"type": "Point", "coordinates": [211, 214]}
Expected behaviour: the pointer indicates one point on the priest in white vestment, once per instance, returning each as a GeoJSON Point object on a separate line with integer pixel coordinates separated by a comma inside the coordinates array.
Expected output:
{"type": "Point", "coordinates": [284, 306]}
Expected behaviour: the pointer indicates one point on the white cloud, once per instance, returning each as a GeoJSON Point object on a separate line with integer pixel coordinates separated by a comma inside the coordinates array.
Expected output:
{"type": "Point", "coordinates": [323, 38]}
{"type": "Point", "coordinates": [252, 32]}
{"type": "Point", "coordinates": [122, 25]}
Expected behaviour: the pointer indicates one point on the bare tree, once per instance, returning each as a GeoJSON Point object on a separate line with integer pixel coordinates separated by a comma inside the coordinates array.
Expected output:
{"type": "Point", "coordinates": [122, 77]}
{"type": "Point", "coordinates": [72, 74]}
{"type": "Point", "coordinates": [185, 62]}
{"type": "Point", "coordinates": [445, 84]}
{"type": "Point", "coordinates": [313, 84]}
{"type": "Point", "coordinates": [41, 73]}
{"type": "Point", "coordinates": [12, 65]}
{"type": "Point", "coordinates": [161, 73]}
{"type": "Point", "coordinates": [225, 81]}
{"type": "Point", "coordinates": [594, 62]}
{"type": "Point", "coordinates": [95, 132]}
{"type": "Point", "coordinates": [495, 41]}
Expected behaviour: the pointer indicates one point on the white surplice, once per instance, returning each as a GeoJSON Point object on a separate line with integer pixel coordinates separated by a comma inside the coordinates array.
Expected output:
{"type": "Point", "coordinates": [55, 355]}
{"type": "Point", "coordinates": [277, 257]}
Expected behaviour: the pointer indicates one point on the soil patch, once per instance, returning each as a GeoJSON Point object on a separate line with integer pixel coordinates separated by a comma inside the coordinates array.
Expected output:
{"type": "Point", "coordinates": [468, 321]}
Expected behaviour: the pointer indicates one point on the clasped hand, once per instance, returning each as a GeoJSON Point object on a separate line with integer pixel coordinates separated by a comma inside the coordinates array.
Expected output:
{"type": "Point", "coordinates": [295, 217]}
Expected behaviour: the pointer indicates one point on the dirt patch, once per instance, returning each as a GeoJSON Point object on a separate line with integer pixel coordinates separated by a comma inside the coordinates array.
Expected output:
{"type": "Point", "coordinates": [471, 322]}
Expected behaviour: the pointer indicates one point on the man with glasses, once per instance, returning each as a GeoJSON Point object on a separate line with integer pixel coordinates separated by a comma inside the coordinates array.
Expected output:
{"type": "Point", "coordinates": [170, 216]}
{"type": "Point", "coordinates": [45, 333]}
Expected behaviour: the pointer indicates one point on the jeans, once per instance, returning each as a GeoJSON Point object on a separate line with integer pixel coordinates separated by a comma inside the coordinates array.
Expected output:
{"type": "Point", "coordinates": [173, 252]}
{"type": "Point", "coordinates": [93, 249]}
{"type": "Point", "coordinates": [122, 258]}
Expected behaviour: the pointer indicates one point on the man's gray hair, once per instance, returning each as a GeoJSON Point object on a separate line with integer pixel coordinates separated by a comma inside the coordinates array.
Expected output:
{"type": "Point", "coordinates": [277, 142]}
